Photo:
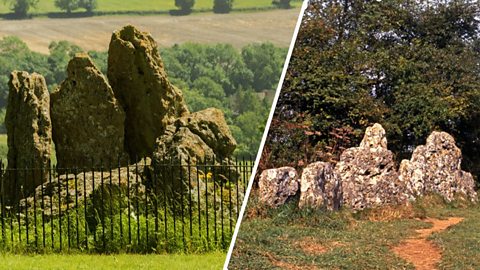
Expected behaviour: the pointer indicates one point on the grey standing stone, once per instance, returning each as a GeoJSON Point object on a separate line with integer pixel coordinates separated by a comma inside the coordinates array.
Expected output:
{"type": "Point", "coordinates": [368, 173]}
{"type": "Point", "coordinates": [436, 168]}
{"type": "Point", "coordinates": [320, 187]}
{"type": "Point", "coordinates": [139, 81]}
{"type": "Point", "coordinates": [29, 131]}
{"type": "Point", "coordinates": [88, 122]}
{"type": "Point", "coordinates": [276, 186]}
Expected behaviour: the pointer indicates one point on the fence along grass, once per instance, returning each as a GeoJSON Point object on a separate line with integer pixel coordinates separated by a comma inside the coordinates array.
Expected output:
{"type": "Point", "coordinates": [123, 209]}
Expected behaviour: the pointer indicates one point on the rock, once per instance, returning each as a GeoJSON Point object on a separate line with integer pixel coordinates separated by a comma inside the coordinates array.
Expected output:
{"type": "Point", "coordinates": [139, 81]}
{"type": "Point", "coordinates": [276, 186]}
{"type": "Point", "coordinates": [436, 167]}
{"type": "Point", "coordinates": [74, 186]}
{"type": "Point", "coordinates": [196, 138]}
{"type": "Point", "coordinates": [88, 122]}
{"type": "Point", "coordinates": [29, 131]}
{"type": "Point", "coordinates": [368, 173]}
{"type": "Point", "coordinates": [211, 127]}
{"type": "Point", "coordinates": [320, 187]}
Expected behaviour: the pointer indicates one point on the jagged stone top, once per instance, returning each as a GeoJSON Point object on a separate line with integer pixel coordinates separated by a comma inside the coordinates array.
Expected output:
{"type": "Point", "coordinates": [440, 140]}
{"type": "Point", "coordinates": [23, 81]}
{"type": "Point", "coordinates": [135, 40]}
{"type": "Point", "coordinates": [375, 136]}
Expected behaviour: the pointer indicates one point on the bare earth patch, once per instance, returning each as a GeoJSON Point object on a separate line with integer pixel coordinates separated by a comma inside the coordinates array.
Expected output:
{"type": "Point", "coordinates": [423, 254]}
{"type": "Point", "coordinates": [309, 245]}
{"type": "Point", "coordinates": [93, 33]}
{"type": "Point", "coordinates": [285, 265]}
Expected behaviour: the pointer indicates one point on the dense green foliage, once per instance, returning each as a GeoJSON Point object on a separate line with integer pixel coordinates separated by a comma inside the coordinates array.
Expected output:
{"type": "Point", "coordinates": [222, 6]}
{"type": "Point", "coordinates": [209, 75]}
{"type": "Point", "coordinates": [21, 7]}
{"type": "Point", "coordinates": [185, 6]}
{"type": "Point", "coordinates": [412, 67]}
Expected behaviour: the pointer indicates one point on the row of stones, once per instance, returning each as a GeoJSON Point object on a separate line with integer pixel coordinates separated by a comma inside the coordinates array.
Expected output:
{"type": "Point", "coordinates": [366, 177]}
{"type": "Point", "coordinates": [96, 121]}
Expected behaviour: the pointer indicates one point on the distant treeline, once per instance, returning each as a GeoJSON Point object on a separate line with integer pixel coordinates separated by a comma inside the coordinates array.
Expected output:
{"type": "Point", "coordinates": [240, 83]}
{"type": "Point", "coordinates": [66, 8]}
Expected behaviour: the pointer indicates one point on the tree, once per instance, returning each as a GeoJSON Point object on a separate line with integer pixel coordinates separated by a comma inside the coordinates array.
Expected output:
{"type": "Point", "coordinates": [60, 54]}
{"type": "Point", "coordinates": [67, 5]}
{"type": "Point", "coordinates": [185, 6]}
{"type": "Point", "coordinates": [411, 67]}
{"type": "Point", "coordinates": [266, 62]}
{"type": "Point", "coordinates": [222, 6]}
{"type": "Point", "coordinates": [20, 8]}
{"type": "Point", "coordinates": [282, 3]}
{"type": "Point", "coordinates": [88, 5]}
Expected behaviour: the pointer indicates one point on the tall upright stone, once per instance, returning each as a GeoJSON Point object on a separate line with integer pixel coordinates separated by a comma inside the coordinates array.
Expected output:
{"type": "Point", "coordinates": [139, 81]}
{"type": "Point", "coordinates": [320, 187]}
{"type": "Point", "coordinates": [88, 122]}
{"type": "Point", "coordinates": [29, 131]}
{"type": "Point", "coordinates": [368, 173]}
{"type": "Point", "coordinates": [436, 168]}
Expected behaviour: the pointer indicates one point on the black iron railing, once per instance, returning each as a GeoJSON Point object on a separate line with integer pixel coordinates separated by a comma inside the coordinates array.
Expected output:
{"type": "Point", "coordinates": [137, 208]}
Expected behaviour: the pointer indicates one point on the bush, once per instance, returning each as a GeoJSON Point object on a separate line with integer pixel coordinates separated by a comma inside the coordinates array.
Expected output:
{"type": "Point", "coordinates": [185, 6]}
{"type": "Point", "coordinates": [222, 6]}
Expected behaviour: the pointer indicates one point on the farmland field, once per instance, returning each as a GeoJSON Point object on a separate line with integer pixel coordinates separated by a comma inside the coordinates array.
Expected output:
{"type": "Point", "coordinates": [46, 6]}
{"type": "Point", "coordinates": [93, 33]}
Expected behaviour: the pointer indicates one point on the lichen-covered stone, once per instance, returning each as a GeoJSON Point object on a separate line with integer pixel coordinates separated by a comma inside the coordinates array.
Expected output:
{"type": "Point", "coordinates": [436, 168]}
{"type": "Point", "coordinates": [29, 131]}
{"type": "Point", "coordinates": [211, 127]}
{"type": "Point", "coordinates": [88, 122]}
{"type": "Point", "coordinates": [276, 186]}
{"type": "Point", "coordinates": [320, 187]}
{"type": "Point", "coordinates": [139, 81]}
{"type": "Point", "coordinates": [368, 173]}
{"type": "Point", "coordinates": [196, 138]}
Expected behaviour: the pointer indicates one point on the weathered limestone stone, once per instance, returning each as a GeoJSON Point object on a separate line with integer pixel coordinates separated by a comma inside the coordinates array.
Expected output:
{"type": "Point", "coordinates": [211, 127]}
{"type": "Point", "coordinates": [276, 186]}
{"type": "Point", "coordinates": [368, 173]}
{"type": "Point", "coordinates": [88, 122]}
{"type": "Point", "coordinates": [29, 131]}
{"type": "Point", "coordinates": [139, 81]}
{"type": "Point", "coordinates": [436, 167]}
{"type": "Point", "coordinates": [69, 189]}
{"type": "Point", "coordinates": [200, 137]}
{"type": "Point", "coordinates": [320, 187]}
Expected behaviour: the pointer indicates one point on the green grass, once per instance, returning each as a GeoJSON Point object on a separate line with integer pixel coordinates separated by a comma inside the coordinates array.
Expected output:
{"type": "Point", "coordinates": [118, 262]}
{"type": "Point", "coordinates": [276, 238]}
{"type": "Point", "coordinates": [46, 6]}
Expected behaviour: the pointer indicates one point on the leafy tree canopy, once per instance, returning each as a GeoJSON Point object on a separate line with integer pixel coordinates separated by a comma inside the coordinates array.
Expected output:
{"type": "Point", "coordinates": [412, 66]}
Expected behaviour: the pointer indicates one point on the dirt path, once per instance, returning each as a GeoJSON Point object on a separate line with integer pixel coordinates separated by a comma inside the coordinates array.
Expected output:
{"type": "Point", "coordinates": [421, 252]}
{"type": "Point", "coordinates": [93, 33]}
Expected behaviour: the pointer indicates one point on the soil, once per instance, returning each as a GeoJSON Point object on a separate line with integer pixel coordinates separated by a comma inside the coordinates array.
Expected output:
{"type": "Point", "coordinates": [419, 251]}
{"type": "Point", "coordinates": [93, 33]}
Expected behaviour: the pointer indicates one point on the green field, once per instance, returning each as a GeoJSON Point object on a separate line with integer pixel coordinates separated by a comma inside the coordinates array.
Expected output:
{"type": "Point", "coordinates": [118, 262]}
{"type": "Point", "coordinates": [312, 239]}
{"type": "Point", "coordinates": [47, 6]}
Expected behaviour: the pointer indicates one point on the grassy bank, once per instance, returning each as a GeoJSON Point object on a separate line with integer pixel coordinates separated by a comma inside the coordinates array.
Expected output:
{"type": "Point", "coordinates": [136, 6]}
{"type": "Point", "coordinates": [118, 262]}
{"type": "Point", "coordinates": [295, 239]}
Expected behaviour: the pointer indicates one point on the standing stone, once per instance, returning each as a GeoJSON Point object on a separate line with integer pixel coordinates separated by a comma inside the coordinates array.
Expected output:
{"type": "Point", "coordinates": [368, 173]}
{"type": "Point", "coordinates": [88, 122]}
{"type": "Point", "coordinates": [139, 81]}
{"type": "Point", "coordinates": [436, 168]}
{"type": "Point", "coordinates": [276, 186]}
{"type": "Point", "coordinates": [29, 132]}
{"type": "Point", "coordinates": [197, 138]}
{"type": "Point", "coordinates": [320, 187]}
